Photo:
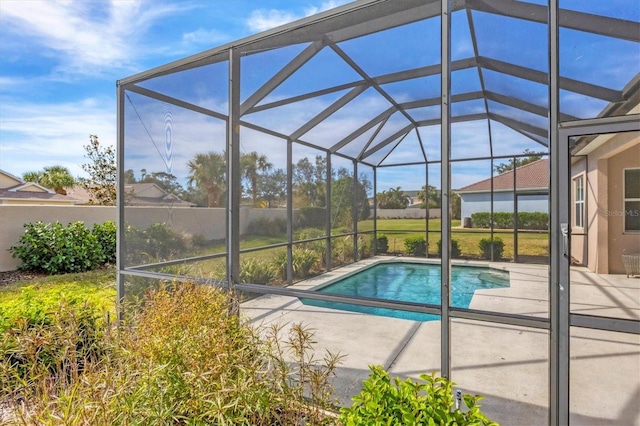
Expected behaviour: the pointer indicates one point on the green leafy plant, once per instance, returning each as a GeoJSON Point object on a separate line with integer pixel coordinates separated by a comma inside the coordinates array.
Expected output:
{"type": "Point", "coordinates": [49, 342]}
{"type": "Point", "coordinates": [415, 246]}
{"type": "Point", "coordinates": [55, 248]}
{"type": "Point", "coordinates": [455, 249]}
{"type": "Point", "coordinates": [157, 242]}
{"type": "Point", "coordinates": [429, 401]}
{"type": "Point", "coordinates": [106, 235]}
{"type": "Point", "coordinates": [504, 220]}
{"type": "Point", "coordinates": [303, 261]}
{"type": "Point", "coordinates": [382, 244]}
{"type": "Point", "coordinates": [257, 271]}
{"type": "Point", "coordinates": [179, 357]}
{"type": "Point", "coordinates": [267, 227]}
{"type": "Point", "coordinates": [487, 247]}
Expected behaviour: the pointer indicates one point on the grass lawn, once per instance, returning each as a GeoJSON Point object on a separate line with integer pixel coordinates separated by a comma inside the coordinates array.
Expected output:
{"type": "Point", "coordinates": [396, 230]}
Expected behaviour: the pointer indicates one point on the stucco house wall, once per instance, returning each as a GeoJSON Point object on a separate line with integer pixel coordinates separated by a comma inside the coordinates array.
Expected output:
{"type": "Point", "coordinates": [602, 241]}
{"type": "Point", "coordinates": [502, 202]}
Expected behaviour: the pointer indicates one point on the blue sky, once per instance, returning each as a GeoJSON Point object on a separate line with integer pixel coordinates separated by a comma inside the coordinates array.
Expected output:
{"type": "Point", "coordinates": [59, 62]}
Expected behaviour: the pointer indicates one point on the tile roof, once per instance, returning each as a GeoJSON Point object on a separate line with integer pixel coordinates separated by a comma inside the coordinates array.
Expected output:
{"type": "Point", "coordinates": [533, 175]}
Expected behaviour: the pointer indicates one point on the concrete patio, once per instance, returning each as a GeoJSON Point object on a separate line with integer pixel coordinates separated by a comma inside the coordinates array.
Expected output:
{"type": "Point", "coordinates": [506, 364]}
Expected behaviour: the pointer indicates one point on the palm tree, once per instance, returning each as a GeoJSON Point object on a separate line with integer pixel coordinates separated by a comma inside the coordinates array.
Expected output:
{"type": "Point", "coordinates": [252, 165]}
{"type": "Point", "coordinates": [209, 171]}
{"type": "Point", "coordinates": [54, 177]}
{"type": "Point", "coordinates": [394, 198]}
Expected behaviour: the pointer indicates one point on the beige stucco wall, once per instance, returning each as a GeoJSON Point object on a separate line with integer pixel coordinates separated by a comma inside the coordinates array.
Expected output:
{"type": "Point", "coordinates": [620, 242]}
{"type": "Point", "coordinates": [207, 222]}
{"type": "Point", "coordinates": [603, 242]}
{"type": "Point", "coordinates": [579, 250]}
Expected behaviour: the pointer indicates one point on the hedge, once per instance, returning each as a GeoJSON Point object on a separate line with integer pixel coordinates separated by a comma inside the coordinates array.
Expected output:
{"type": "Point", "coordinates": [504, 220]}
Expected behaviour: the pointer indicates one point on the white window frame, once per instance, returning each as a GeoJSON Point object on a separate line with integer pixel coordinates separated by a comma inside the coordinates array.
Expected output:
{"type": "Point", "coordinates": [578, 203]}
{"type": "Point", "coordinates": [625, 200]}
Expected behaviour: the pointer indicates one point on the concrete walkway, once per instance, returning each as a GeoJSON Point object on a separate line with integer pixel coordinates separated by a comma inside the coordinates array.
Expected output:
{"type": "Point", "coordinates": [506, 364]}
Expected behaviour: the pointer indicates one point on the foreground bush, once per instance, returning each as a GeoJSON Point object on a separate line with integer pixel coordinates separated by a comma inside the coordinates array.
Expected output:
{"type": "Point", "coordinates": [415, 246]}
{"type": "Point", "coordinates": [426, 402]}
{"type": "Point", "coordinates": [180, 358]}
{"type": "Point", "coordinates": [382, 244]}
{"type": "Point", "coordinates": [490, 248]}
{"type": "Point", "coordinates": [455, 249]}
{"type": "Point", "coordinates": [57, 249]}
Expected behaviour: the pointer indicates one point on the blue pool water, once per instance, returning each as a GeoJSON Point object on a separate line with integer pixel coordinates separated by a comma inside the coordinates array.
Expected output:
{"type": "Point", "coordinates": [411, 282]}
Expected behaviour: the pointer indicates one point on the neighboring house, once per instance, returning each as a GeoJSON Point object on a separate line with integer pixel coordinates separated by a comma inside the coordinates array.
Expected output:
{"type": "Point", "coordinates": [150, 194]}
{"type": "Point", "coordinates": [14, 190]}
{"type": "Point", "coordinates": [529, 184]}
{"type": "Point", "coordinates": [605, 201]}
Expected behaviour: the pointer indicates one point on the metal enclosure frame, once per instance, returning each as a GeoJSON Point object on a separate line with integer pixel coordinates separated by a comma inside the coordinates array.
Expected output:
{"type": "Point", "coordinates": [327, 30]}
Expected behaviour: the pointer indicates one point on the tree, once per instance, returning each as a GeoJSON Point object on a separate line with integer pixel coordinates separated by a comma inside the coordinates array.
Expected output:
{"type": "Point", "coordinates": [394, 198]}
{"type": "Point", "coordinates": [166, 181]}
{"type": "Point", "coordinates": [102, 171]}
{"type": "Point", "coordinates": [252, 165]}
{"type": "Point", "coordinates": [309, 181]}
{"type": "Point", "coordinates": [518, 162]}
{"type": "Point", "coordinates": [342, 195]}
{"type": "Point", "coordinates": [209, 171]}
{"type": "Point", "coordinates": [53, 177]}
{"type": "Point", "coordinates": [273, 186]}
{"type": "Point", "coordinates": [456, 206]}
{"type": "Point", "coordinates": [429, 193]}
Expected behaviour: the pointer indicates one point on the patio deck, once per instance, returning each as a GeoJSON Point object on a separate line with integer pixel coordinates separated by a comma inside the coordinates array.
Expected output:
{"type": "Point", "coordinates": [506, 364]}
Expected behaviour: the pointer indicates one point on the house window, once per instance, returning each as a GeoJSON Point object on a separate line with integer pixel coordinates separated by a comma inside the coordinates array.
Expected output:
{"type": "Point", "coordinates": [632, 199]}
{"type": "Point", "coordinates": [578, 186]}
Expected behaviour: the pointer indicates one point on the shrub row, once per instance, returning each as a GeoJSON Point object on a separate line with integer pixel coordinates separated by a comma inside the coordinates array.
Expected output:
{"type": "Point", "coordinates": [504, 220]}
{"type": "Point", "coordinates": [157, 242]}
{"type": "Point", "coordinates": [180, 357]}
{"type": "Point", "coordinates": [55, 248]}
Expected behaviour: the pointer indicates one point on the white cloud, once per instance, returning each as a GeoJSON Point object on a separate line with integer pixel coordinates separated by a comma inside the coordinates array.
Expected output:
{"type": "Point", "coordinates": [90, 37]}
{"type": "Point", "coordinates": [262, 19]}
{"type": "Point", "coordinates": [205, 37]}
{"type": "Point", "coordinates": [39, 135]}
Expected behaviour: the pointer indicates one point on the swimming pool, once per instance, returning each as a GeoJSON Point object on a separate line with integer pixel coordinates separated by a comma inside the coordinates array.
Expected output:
{"type": "Point", "coordinates": [410, 282]}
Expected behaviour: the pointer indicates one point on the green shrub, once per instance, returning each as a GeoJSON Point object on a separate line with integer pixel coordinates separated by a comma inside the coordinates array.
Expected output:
{"type": "Point", "coordinates": [49, 344]}
{"type": "Point", "coordinates": [365, 247]}
{"type": "Point", "coordinates": [56, 249]}
{"type": "Point", "coordinates": [311, 217]}
{"type": "Point", "coordinates": [486, 248]}
{"type": "Point", "coordinates": [428, 401]}
{"type": "Point", "coordinates": [415, 246]}
{"type": "Point", "coordinates": [504, 220]}
{"type": "Point", "coordinates": [256, 271]}
{"type": "Point", "coordinates": [533, 220]}
{"type": "Point", "coordinates": [455, 249]}
{"type": "Point", "coordinates": [179, 357]}
{"type": "Point", "coordinates": [106, 234]}
{"type": "Point", "coordinates": [157, 242]}
{"type": "Point", "coordinates": [382, 244]}
{"type": "Point", "coordinates": [198, 241]}
{"type": "Point", "coordinates": [279, 264]}
{"type": "Point", "coordinates": [267, 227]}
{"type": "Point", "coordinates": [303, 261]}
